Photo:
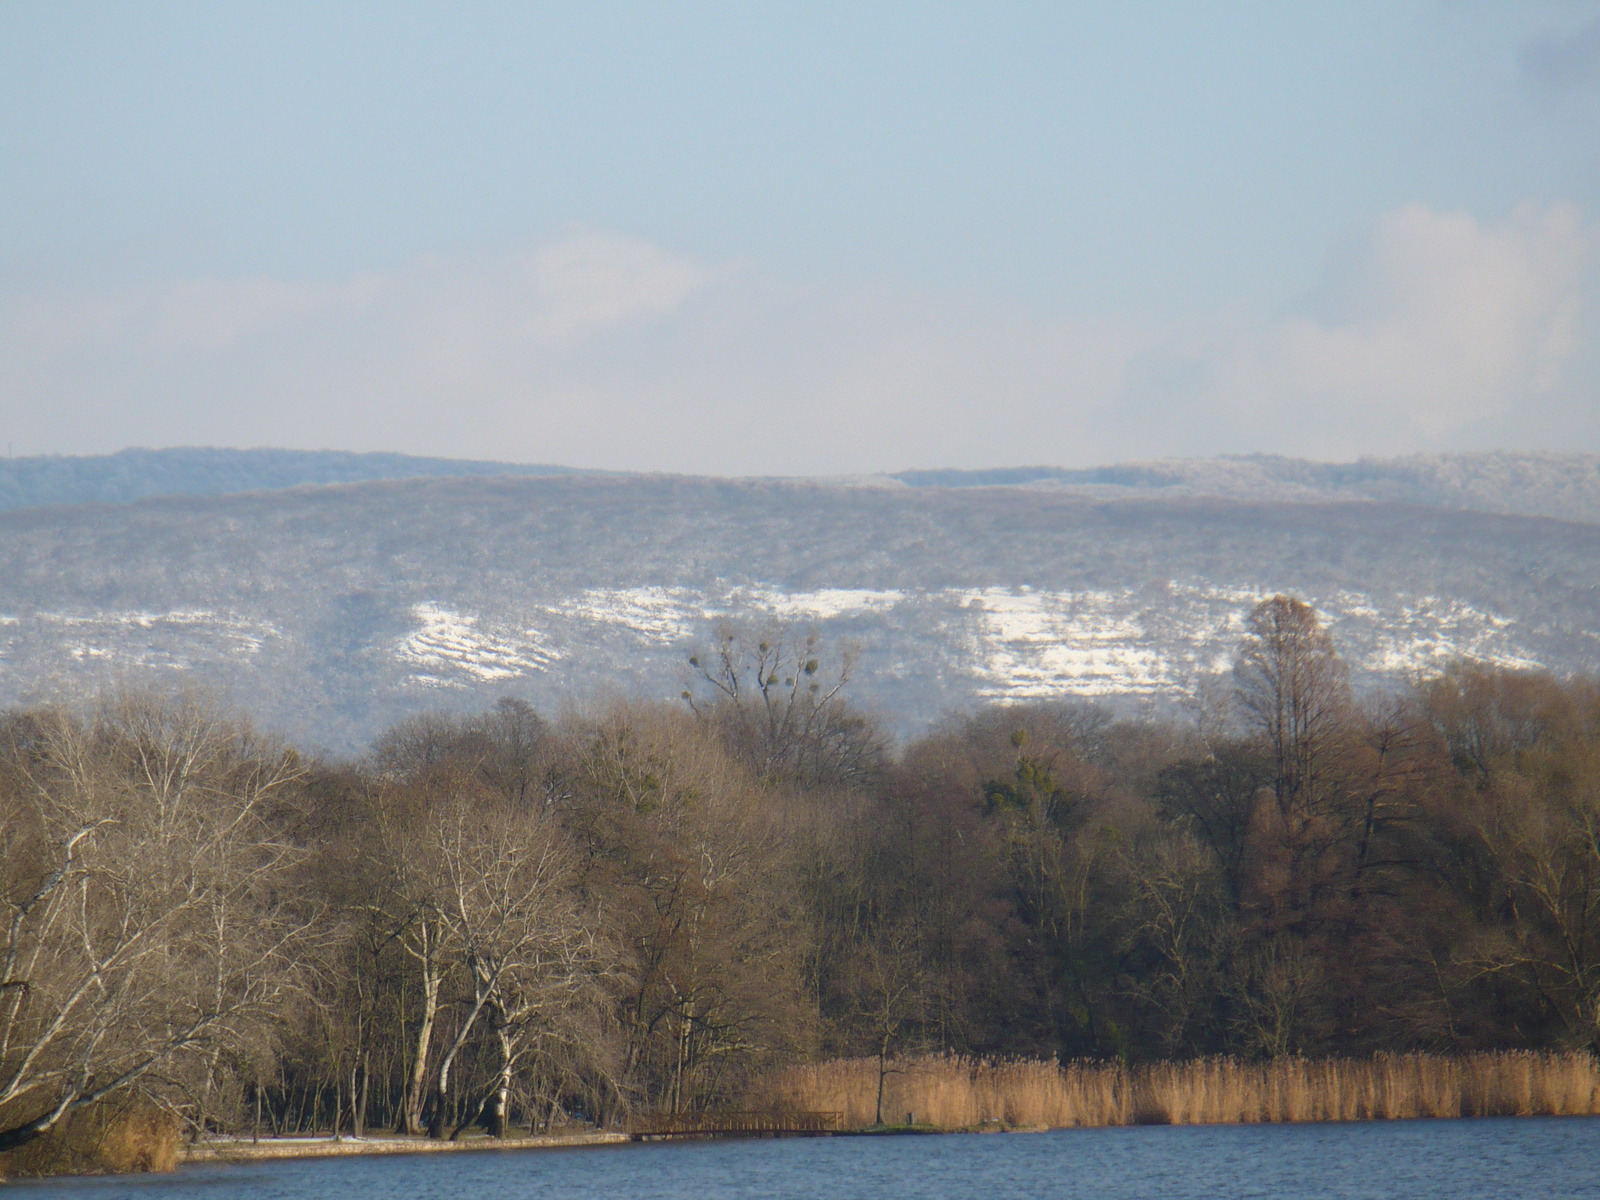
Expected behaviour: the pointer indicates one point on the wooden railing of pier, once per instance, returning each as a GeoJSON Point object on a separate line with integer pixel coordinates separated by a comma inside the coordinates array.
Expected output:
{"type": "Point", "coordinates": [746, 1124]}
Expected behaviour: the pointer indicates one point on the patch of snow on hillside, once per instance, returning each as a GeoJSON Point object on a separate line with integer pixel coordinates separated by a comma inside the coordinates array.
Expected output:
{"type": "Point", "coordinates": [1424, 633]}
{"type": "Point", "coordinates": [446, 639]}
{"type": "Point", "coordinates": [1037, 644]}
{"type": "Point", "coordinates": [822, 604]}
{"type": "Point", "coordinates": [665, 616]}
{"type": "Point", "coordinates": [669, 616]}
{"type": "Point", "coordinates": [1016, 642]}
{"type": "Point", "coordinates": [175, 640]}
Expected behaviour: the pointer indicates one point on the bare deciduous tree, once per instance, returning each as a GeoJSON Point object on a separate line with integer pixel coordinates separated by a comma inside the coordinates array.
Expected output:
{"type": "Point", "coordinates": [529, 951]}
{"type": "Point", "coordinates": [150, 921]}
{"type": "Point", "coordinates": [1294, 691]}
{"type": "Point", "coordinates": [782, 713]}
{"type": "Point", "coordinates": [685, 843]}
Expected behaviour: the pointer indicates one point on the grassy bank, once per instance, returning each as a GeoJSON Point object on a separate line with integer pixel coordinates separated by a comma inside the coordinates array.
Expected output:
{"type": "Point", "coordinates": [965, 1093]}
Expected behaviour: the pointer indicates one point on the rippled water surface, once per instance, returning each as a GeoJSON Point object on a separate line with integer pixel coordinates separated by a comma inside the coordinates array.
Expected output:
{"type": "Point", "coordinates": [1417, 1160]}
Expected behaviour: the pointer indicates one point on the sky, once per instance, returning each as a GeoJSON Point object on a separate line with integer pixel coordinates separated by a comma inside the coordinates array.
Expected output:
{"type": "Point", "coordinates": [747, 239]}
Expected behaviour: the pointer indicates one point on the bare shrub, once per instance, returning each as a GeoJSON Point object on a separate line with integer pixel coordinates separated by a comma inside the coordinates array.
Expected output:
{"type": "Point", "coordinates": [107, 1139]}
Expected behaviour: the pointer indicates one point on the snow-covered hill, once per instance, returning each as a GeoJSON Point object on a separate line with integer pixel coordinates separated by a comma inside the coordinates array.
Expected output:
{"type": "Point", "coordinates": [330, 611]}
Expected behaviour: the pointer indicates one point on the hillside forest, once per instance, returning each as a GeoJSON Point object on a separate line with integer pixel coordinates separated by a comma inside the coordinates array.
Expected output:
{"type": "Point", "coordinates": [521, 919]}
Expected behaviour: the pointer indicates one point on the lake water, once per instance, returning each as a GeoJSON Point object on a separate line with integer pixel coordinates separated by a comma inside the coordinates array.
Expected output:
{"type": "Point", "coordinates": [1413, 1160]}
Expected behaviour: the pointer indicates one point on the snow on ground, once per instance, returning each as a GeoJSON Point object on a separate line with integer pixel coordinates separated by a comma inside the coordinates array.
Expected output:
{"type": "Point", "coordinates": [667, 616]}
{"type": "Point", "coordinates": [664, 616]}
{"type": "Point", "coordinates": [1012, 642]}
{"type": "Point", "coordinates": [173, 640]}
{"type": "Point", "coordinates": [1427, 632]}
{"type": "Point", "coordinates": [1015, 642]}
{"type": "Point", "coordinates": [819, 605]}
{"type": "Point", "coordinates": [1038, 644]}
{"type": "Point", "coordinates": [447, 644]}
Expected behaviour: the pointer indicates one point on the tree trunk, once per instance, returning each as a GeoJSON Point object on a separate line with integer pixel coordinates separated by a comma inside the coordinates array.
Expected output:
{"type": "Point", "coordinates": [502, 1091]}
{"type": "Point", "coordinates": [436, 1116]}
{"type": "Point", "coordinates": [416, 1085]}
{"type": "Point", "coordinates": [21, 1135]}
{"type": "Point", "coordinates": [883, 1069]}
{"type": "Point", "coordinates": [436, 1125]}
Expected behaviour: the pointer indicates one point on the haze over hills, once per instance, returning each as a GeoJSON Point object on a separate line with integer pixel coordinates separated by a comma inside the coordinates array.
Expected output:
{"type": "Point", "coordinates": [330, 610]}
{"type": "Point", "coordinates": [1531, 484]}
{"type": "Point", "coordinates": [136, 474]}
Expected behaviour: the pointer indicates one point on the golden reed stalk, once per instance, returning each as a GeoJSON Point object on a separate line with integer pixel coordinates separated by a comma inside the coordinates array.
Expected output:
{"type": "Point", "coordinates": [110, 1139]}
{"type": "Point", "coordinates": [968, 1093]}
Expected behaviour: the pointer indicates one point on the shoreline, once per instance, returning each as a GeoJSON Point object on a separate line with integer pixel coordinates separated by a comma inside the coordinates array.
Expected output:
{"type": "Point", "coordinates": [270, 1149]}
{"type": "Point", "coordinates": [228, 1152]}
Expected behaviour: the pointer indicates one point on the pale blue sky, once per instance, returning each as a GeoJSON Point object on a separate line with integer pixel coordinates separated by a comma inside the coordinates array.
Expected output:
{"type": "Point", "coordinates": [807, 238]}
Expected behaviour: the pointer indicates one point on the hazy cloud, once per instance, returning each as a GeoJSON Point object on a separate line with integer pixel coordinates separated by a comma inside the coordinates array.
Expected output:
{"type": "Point", "coordinates": [1428, 331]}
{"type": "Point", "coordinates": [593, 282]}
{"type": "Point", "coordinates": [1429, 324]}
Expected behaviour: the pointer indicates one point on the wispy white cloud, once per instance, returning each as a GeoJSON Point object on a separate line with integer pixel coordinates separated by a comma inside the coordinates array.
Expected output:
{"type": "Point", "coordinates": [592, 282]}
{"type": "Point", "coordinates": [1430, 330]}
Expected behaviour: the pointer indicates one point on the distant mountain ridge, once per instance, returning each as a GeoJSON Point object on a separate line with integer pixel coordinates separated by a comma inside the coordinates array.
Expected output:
{"type": "Point", "coordinates": [1537, 484]}
{"type": "Point", "coordinates": [139, 474]}
{"type": "Point", "coordinates": [1562, 486]}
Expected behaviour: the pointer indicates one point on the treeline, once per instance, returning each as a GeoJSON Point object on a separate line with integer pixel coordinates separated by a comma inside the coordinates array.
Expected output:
{"type": "Point", "coordinates": [511, 920]}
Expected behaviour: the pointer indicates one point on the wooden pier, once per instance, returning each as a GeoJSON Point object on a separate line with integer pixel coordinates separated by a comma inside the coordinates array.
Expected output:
{"type": "Point", "coordinates": [736, 1124]}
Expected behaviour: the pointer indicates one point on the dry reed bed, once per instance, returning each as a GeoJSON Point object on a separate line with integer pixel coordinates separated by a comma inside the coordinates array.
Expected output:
{"type": "Point", "coordinates": [110, 1140]}
{"type": "Point", "coordinates": [967, 1093]}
